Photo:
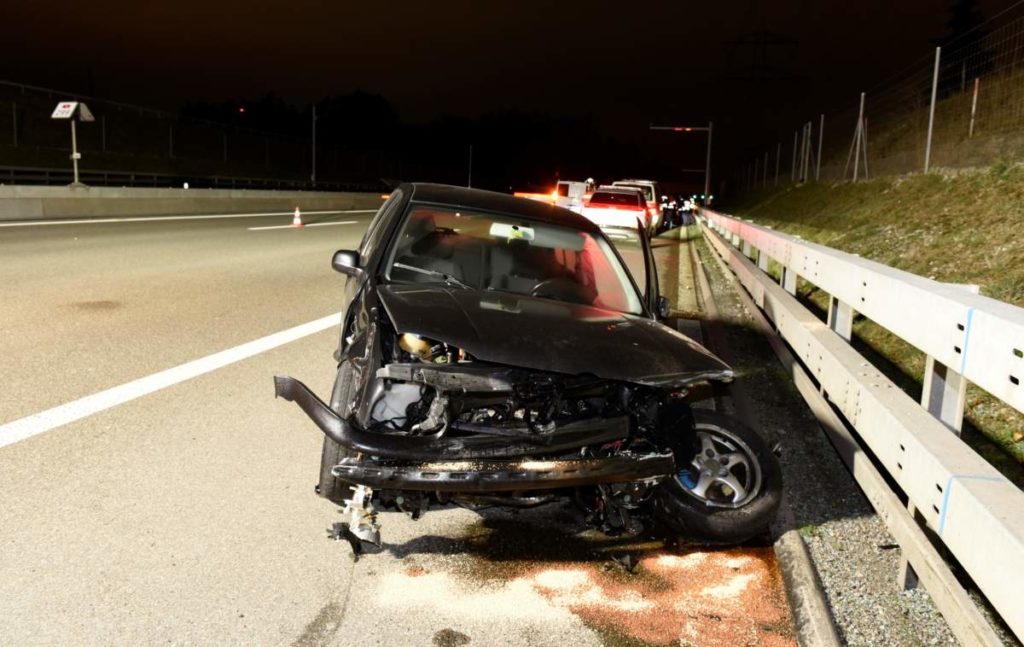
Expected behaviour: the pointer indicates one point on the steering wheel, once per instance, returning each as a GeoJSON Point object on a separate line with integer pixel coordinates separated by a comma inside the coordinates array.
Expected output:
{"type": "Point", "coordinates": [560, 289]}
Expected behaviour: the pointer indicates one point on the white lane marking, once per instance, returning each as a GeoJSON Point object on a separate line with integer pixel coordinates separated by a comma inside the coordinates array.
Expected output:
{"type": "Point", "coordinates": [215, 216]}
{"type": "Point", "coordinates": [308, 224]}
{"type": "Point", "coordinates": [44, 421]}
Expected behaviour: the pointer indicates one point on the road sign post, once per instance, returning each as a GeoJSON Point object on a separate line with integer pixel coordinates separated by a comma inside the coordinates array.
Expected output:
{"type": "Point", "coordinates": [73, 111]}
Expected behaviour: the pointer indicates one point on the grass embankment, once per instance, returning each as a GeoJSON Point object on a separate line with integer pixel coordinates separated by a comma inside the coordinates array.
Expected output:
{"type": "Point", "coordinates": [955, 227]}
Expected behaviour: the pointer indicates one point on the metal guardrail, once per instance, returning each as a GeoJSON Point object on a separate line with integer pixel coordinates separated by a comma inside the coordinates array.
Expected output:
{"type": "Point", "coordinates": [976, 512]}
{"type": "Point", "coordinates": [55, 176]}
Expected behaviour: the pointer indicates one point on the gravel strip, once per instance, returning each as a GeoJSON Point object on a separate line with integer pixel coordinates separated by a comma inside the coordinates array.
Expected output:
{"type": "Point", "coordinates": [856, 558]}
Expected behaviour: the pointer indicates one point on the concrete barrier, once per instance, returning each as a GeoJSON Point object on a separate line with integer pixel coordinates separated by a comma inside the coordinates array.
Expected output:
{"type": "Point", "coordinates": [54, 203]}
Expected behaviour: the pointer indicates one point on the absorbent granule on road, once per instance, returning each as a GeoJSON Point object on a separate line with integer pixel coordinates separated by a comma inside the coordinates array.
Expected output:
{"type": "Point", "coordinates": [541, 578]}
{"type": "Point", "coordinates": [714, 598]}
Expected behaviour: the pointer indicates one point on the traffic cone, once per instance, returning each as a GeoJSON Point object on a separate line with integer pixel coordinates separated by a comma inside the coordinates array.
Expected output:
{"type": "Point", "coordinates": [297, 218]}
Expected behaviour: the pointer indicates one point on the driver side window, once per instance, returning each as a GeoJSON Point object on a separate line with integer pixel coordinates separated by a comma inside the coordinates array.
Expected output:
{"type": "Point", "coordinates": [378, 227]}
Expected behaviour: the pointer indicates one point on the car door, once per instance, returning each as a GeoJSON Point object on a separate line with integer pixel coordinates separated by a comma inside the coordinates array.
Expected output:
{"type": "Point", "coordinates": [651, 289]}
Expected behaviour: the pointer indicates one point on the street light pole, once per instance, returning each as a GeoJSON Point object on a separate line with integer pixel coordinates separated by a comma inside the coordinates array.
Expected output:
{"type": "Point", "coordinates": [707, 164]}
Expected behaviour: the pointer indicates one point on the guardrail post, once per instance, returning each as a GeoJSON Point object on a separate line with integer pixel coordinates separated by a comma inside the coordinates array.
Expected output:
{"type": "Point", "coordinates": [840, 318]}
{"type": "Point", "coordinates": [746, 249]}
{"type": "Point", "coordinates": [762, 260]}
{"type": "Point", "coordinates": [789, 280]}
{"type": "Point", "coordinates": [944, 394]}
{"type": "Point", "coordinates": [906, 577]}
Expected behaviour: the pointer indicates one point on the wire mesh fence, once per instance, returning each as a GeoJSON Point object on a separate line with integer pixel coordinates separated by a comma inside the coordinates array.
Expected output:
{"type": "Point", "coordinates": [129, 136]}
{"type": "Point", "coordinates": [978, 84]}
{"type": "Point", "coordinates": [138, 139]}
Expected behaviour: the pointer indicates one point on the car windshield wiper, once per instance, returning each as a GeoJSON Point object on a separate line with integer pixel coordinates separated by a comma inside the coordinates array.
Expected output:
{"type": "Point", "coordinates": [448, 278]}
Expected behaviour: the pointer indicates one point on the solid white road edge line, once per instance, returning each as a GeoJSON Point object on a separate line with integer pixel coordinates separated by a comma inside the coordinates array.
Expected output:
{"type": "Point", "coordinates": [44, 421]}
{"type": "Point", "coordinates": [215, 216]}
{"type": "Point", "coordinates": [308, 224]}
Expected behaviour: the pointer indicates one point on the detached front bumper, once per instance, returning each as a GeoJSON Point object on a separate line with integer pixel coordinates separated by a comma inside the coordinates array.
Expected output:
{"type": "Point", "coordinates": [565, 438]}
{"type": "Point", "coordinates": [490, 476]}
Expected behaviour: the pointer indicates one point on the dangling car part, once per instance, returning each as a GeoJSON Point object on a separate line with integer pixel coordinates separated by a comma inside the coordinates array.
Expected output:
{"type": "Point", "coordinates": [497, 351]}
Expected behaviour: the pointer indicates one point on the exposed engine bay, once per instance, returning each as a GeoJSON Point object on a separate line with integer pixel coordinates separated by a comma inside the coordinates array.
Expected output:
{"type": "Point", "coordinates": [477, 433]}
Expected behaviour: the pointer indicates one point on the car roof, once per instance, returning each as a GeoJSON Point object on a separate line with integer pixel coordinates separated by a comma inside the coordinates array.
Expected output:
{"type": "Point", "coordinates": [497, 202]}
{"type": "Point", "coordinates": [635, 181]}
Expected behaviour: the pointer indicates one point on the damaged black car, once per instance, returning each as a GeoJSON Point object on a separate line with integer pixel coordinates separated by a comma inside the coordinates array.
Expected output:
{"type": "Point", "coordinates": [498, 351]}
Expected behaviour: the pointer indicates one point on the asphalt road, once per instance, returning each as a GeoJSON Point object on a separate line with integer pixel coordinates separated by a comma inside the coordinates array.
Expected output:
{"type": "Point", "coordinates": [187, 514]}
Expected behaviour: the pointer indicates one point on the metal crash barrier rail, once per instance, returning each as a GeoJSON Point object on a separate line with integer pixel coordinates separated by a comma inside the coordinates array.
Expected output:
{"type": "Point", "coordinates": [965, 503]}
{"type": "Point", "coordinates": [22, 175]}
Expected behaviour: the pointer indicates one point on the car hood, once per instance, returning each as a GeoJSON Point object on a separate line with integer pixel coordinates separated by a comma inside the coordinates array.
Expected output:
{"type": "Point", "coordinates": [547, 335]}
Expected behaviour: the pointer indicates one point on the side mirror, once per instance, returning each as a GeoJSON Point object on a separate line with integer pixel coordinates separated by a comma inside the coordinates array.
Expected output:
{"type": "Point", "coordinates": [664, 307]}
{"type": "Point", "coordinates": [346, 261]}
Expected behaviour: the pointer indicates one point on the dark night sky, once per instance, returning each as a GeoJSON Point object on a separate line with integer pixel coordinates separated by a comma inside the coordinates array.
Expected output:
{"type": "Point", "coordinates": [623, 64]}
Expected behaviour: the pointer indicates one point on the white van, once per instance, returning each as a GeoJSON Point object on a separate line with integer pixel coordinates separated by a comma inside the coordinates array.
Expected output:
{"type": "Point", "coordinates": [569, 194]}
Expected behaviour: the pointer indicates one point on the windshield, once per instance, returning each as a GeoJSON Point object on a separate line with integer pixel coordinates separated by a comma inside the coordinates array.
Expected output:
{"type": "Point", "coordinates": [608, 197]}
{"type": "Point", "coordinates": [463, 249]}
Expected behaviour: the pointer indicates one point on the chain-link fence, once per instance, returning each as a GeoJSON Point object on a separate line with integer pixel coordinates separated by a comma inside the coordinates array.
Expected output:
{"type": "Point", "coordinates": [978, 84]}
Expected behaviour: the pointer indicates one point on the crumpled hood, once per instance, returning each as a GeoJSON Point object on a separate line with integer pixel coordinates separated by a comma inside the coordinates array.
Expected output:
{"type": "Point", "coordinates": [547, 335]}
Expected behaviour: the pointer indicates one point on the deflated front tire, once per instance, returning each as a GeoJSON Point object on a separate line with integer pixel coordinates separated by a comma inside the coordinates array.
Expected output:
{"type": "Point", "coordinates": [729, 492]}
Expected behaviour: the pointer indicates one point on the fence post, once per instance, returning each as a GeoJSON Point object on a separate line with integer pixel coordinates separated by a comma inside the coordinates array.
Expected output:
{"type": "Point", "coordinates": [803, 153]}
{"type": "Point", "coordinates": [778, 158]}
{"type": "Point", "coordinates": [821, 138]}
{"type": "Point", "coordinates": [974, 108]}
{"type": "Point", "coordinates": [858, 136]}
{"type": "Point", "coordinates": [931, 111]}
{"type": "Point", "coordinates": [792, 173]}
{"type": "Point", "coordinates": [806, 170]}
{"type": "Point", "coordinates": [14, 120]}
{"type": "Point", "coordinates": [103, 133]}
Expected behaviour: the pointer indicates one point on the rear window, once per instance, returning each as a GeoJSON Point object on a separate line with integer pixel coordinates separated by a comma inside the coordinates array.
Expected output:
{"type": "Point", "coordinates": [648, 191]}
{"type": "Point", "coordinates": [563, 190]}
{"type": "Point", "coordinates": [619, 199]}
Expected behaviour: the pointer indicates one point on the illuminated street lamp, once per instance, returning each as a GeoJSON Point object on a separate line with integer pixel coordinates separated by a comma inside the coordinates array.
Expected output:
{"type": "Point", "coordinates": [73, 111]}
{"type": "Point", "coordinates": [707, 166]}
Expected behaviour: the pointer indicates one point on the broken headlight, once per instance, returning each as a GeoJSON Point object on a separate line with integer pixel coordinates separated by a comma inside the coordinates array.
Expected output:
{"type": "Point", "coordinates": [430, 351]}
